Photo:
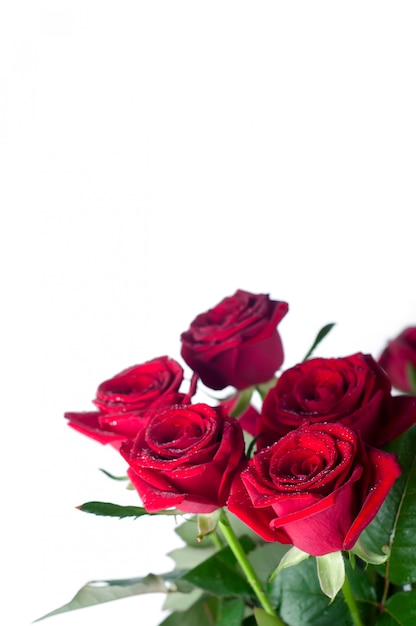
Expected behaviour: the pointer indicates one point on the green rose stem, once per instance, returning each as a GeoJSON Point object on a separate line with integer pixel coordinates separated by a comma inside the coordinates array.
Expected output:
{"type": "Point", "coordinates": [351, 603]}
{"type": "Point", "coordinates": [246, 566]}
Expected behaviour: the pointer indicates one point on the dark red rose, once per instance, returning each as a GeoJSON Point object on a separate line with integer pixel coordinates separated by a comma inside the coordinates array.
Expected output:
{"type": "Point", "coordinates": [398, 357]}
{"type": "Point", "coordinates": [353, 390]}
{"type": "Point", "coordinates": [127, 400]}
{"type": "Point", "coordinates": [317, 488]}
{"type": "Point", "coordinates": [185, 457]}
{"type": "Point", "coordinates": [236, 343]}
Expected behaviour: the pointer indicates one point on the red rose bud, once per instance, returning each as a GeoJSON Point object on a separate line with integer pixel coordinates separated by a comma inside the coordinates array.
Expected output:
{"type": "Point", "coordinates": [353, 390]}
{"type": "Point", "coordinates": [316, 489]}
{"type": "Point", "coordinates": [127, 400]}
{"type": "Point", "coordinates": [185, 457]}
{"type": "Point", "coordinates": [236, 343]}
{"type": "Point", "coordinates": [398, 358]}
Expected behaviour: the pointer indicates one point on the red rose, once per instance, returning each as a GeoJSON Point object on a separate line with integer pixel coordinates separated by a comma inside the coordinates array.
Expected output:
{"type": "Point", "coordinates": [153, 384]}
{"type": "Point", "coordinates": [398, 357]}
{"type": "Point", "coordinates": [317, 488]}
{"type": "Point", "coordinates": [125, 401]}
{"type": "Point", "coordinates": [236, 343]}
{"type": "Point", "coordinates": [185, 457]}
{"type": "Point", "coordinates": [353, 390]}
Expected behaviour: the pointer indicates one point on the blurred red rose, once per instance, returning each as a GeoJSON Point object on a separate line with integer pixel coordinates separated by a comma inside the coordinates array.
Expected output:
{"type": "Point", "coordinates": [352, 390]}
{"type": "Point", "coordinates": [236, 343]}
{"type": "Point", "coordinates": [397, 359]}
{"type": "Point", "coordinates": [126, 401]}
{"type": "Point", "coordinates": [317, 488]}
{"type": "Point", "coordinates": [185, 457]}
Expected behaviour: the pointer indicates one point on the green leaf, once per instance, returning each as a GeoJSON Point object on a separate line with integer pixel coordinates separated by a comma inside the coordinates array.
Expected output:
{"type": "Point", "coordinates": [220, 575]}
{"type": "Point", "coordinates": [230, 612]}
{"type": "Point", "coordinates": [395, 523]}
{"type": "Point", "coordinates": [264, 619]}
{"type": "Point", "coordinates": [99, 591]}
{"type": "Point", "coordinates": [115, 510]}
{"type": "Point", "coordinates": [331, 573]}
{"type": "Point", "coordinates": [203, 613]}
{"type": "Point", "coordinates": [321, 335]}
{"type": "Point", "coordinates": [181, 600]}
{"type": "Point", "coordinates": [297, 594]}
{"type": "Point", "coordinates": [292, 557]}
{"type": "Point", "coordinates": [188, 557]}
{"type": "Point", "coordinates": [112, 476]}
{"type": "Point", "coordinates": [399, 609]}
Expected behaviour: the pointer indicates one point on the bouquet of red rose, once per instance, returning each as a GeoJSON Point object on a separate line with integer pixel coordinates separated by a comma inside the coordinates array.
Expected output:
{"type": "Point", "coordinates": [296, 491]}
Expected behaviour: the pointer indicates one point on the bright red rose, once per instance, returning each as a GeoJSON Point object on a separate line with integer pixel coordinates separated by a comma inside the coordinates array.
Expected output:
{"type": "Point", "coordinates": [185, 457]}
{"type": "Point", "coordinates": [398, 357]}
{"type": "Point", "coordinates": [152, 384]}
{"type": "Point", "coordinates": [126, 401]}
{"type": "Point", "coordinates": [353, 390]}
{"type": "Point", "coordinates": [236, 343]}
{"type": "Point", "coordinates": [317, 488]}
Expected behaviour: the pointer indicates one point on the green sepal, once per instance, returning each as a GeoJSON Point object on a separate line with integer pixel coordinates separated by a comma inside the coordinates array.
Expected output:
{"type": "Point", "coordinates": [331, 573]}
{"type": "Point", "coordinates": [367, 555]}
{"type": "Point", "coordinates": [291, 558]}
{"type": "Point", "coordinates": [321, 335]}
{"type": "Point", "coordinates": [207, 523]}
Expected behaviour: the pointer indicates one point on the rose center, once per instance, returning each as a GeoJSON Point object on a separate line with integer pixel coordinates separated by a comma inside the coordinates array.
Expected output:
{"type": "Point", "coordinates": [178, 432]}
{"type": "Point", "coordinates": [297, 465]}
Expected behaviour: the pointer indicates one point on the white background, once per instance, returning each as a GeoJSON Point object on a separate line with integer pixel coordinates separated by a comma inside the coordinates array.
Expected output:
{"type": "Point", "coordinates": [155, 157]}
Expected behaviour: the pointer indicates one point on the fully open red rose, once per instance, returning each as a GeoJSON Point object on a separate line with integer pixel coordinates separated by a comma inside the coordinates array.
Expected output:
{"type": "Point", "coordinates": [317, 488]}
{"type": "Point", "coordinates": [353, 390]}
{"type": "Point", "coordinates": [185, 457]}
{"type": "Point", "coordinates": [125, 401]}
{"type": "Point", "coordinates": [236, 343]}
{"type": "Point", "coordinates": [398, 357]}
